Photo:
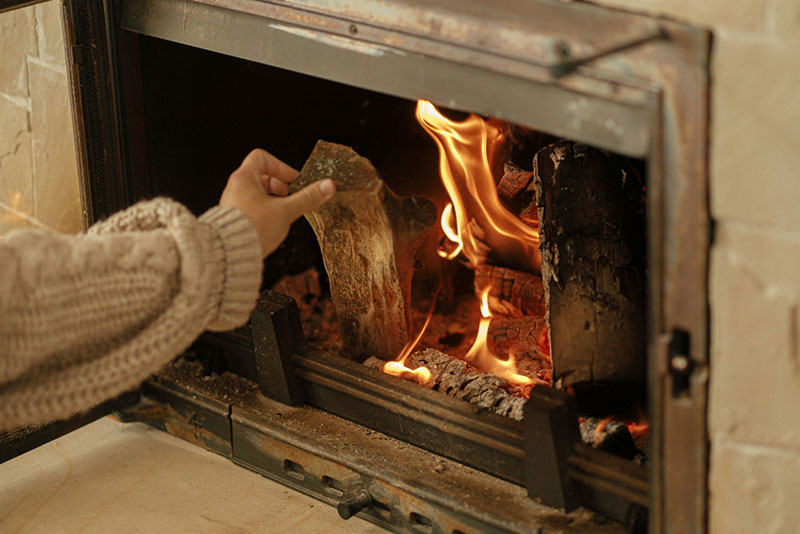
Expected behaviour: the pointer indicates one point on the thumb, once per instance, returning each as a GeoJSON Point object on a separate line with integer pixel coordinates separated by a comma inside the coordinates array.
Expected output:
{"type": "Point", "coordinates": [310, 197]}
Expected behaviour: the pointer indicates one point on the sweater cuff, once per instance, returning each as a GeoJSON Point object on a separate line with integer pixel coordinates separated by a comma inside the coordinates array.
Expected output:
{"type": "Point", "coordinates": [241, 250]}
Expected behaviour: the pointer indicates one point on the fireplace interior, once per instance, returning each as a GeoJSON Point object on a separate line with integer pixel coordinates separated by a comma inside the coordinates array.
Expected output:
{"type": "Point", "coordinates": [201, 111]}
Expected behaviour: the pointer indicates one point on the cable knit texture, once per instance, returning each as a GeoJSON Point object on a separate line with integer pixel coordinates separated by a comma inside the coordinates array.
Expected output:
{"type": "Point", "coordinates": [84, 318]}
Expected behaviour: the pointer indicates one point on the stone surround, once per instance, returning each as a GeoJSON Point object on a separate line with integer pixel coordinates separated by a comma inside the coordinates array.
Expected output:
{"type": "Point", "coordinates": [38, 166]}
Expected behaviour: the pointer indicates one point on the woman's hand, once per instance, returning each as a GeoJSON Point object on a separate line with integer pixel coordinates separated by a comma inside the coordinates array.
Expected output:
{"type": "Point", "coordinates": [260, 189]}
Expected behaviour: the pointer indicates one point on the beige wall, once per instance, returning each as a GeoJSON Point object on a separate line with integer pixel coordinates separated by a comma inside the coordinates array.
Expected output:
{"type": "Point", "coordinates": [38, 169]}
{"type": "Point", "coordinates": [755, 264]}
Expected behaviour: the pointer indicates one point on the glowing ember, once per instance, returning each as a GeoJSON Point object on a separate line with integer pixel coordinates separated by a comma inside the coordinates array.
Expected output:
{"type": "Point", "coordinates": [638, 429]}
{"type": "Point", "coordinates": [598, 430]}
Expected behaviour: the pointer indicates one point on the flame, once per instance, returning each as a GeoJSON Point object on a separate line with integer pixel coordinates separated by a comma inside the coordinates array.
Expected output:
{"type": "Point", "coordinates": [466, 151]}
{"type": "Point", "coordinates": [451, 234]}
{"type": "Point", "coordinates": [398, 368]}
{"type": "Point", "coordinates": [420, 375]}
{"type": "Point", "coordinates": [475, 218]}
{"type": "Point", "coordinates": [601, 426]}
{"type": "Point", "coordinates": [480, 357]}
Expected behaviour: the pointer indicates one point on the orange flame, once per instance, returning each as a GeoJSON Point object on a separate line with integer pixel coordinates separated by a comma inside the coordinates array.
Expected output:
{"type": "Point", "coordinates": [398, 368]}
{"type": "Point", "coordinates": [480, 357]}
{"type": "Point", "coordinates": [466, 151]}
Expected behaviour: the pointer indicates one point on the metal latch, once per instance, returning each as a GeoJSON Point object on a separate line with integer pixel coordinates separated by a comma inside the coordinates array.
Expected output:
{"type": "Point", "coordinates": [569, 64]}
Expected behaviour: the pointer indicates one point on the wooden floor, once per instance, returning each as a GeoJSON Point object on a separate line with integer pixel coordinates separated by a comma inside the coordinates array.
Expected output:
{"type": "Point", "coordinates": [127, 478]}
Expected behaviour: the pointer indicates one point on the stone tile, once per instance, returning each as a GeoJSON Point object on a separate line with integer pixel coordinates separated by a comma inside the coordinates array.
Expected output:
{"type": "Point", "coordinates": [753, 489]}
{"type": "Point", "coordinates": [754, 134]}
{"type": "Point", "coordinates": [57, 197]}
{"type": "Point", "coordinates": [17, 40]}
{"type": "Point", "coordinates": [755, 331]}
{"type": "Point", "coordinates": [787, 20]}
{"type": "Point", "coordinates": [128, 478]}
{"type": "Point", "coordinates": [16, 164]}
{"type": "Point", "coordinates": [749, 16]}
{"type": "Point", "coordinates": [50, 32]}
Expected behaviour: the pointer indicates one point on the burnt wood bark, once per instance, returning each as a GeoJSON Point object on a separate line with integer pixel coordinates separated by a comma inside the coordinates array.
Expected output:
{"type": "Point", "coordinates": [457, 379]}
{"type": "Point", "coordinates": [368, 237]}
{"type": "Point", "coordinates": [513, 293]}
{"type": "Point", "coordinates": [523, 336]}
{"type": "Point", "coordinates": [592, 239]}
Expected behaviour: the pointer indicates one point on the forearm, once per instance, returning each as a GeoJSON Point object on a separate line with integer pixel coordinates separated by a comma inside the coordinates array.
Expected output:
{"type": "Point", "coordinates": [87, 317]}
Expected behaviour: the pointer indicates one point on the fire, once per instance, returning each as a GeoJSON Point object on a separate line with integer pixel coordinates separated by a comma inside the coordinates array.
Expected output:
{"type": "Point", "coordinates": [398, 368]}
{"type": "Point", "coordinates": [466, 153]}
{"type": "Point", "coordinates": [480, 357]}
{"type": "Point", "coordinates": [475, 216]}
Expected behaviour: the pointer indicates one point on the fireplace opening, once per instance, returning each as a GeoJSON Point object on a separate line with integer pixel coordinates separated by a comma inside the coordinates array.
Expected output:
{"type": "Point", "coordinates": [533, 276]}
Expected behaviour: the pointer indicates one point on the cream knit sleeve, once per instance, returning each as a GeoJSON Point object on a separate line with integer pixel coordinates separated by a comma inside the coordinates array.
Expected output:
{"type": "Point", "coordinates": [84, 318]}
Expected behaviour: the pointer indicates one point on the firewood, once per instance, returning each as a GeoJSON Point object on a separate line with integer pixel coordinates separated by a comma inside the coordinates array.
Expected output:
{"type": "Point", "coordinates": [457, 379]}
{"type": "Point", "coordinates": [525, 337]}
{"type": "Point", "coordinates": [368, 237]}
{"type": "Point", "coordinates": [592, 221]}
{"type": "Point", "coordinates": [513, 293]}
{"type": "Point", "coordinates": [607, 435]}
{"type": "Point", "coordinates": [517, 192]}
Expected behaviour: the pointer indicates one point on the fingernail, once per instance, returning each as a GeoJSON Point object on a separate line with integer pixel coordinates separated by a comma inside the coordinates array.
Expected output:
{"type": "Point", "coordinates": [327, 187]}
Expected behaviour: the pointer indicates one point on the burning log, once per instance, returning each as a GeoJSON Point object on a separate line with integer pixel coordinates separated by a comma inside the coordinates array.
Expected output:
{"type": "Point", "coordinates": [525, 336]}
{"type": "Point", "coordinates": [591, 221]}
{"type": "Point", "coordinates": [608, 435]}
{"type": "Point", "coordinates": [457, 379]}
{"type": "Point", "coordinates": [517, 192]}
{"type": "Point", "coordinates": [513, 293]}
{"type": "Point", "coordinates": [368, 237]}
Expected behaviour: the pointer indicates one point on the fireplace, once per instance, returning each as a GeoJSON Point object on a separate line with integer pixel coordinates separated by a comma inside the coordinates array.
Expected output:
{"type": "Point", "coordinates": [193, 85]}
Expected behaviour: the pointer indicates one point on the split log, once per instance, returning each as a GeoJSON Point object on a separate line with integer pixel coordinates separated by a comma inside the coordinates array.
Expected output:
{"type": "Point", "coordinates": [457, 379]}
{"type": "Point", "coordinates": [517, 192]}
{"type": "Point", "coordinates": [525, 337]}
{"type": "Point", "coordinates": [368, 237]}
{"type": "Point", "coordinates": [513, 293]}
{"type": "Point", "coordinates": [591, 225]}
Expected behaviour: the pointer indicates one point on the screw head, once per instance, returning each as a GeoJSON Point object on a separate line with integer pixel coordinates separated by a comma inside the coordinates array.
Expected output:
{"type": "Point", "coordinates": [680, 363]}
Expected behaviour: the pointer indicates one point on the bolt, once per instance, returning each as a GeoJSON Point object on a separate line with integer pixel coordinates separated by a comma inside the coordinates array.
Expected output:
{"type": "Point", "coordinates": [680, 363]}
{"type": "Point", "coordinates": [353, 29]}
{"type": "Point", "coordinates": [353, 503]}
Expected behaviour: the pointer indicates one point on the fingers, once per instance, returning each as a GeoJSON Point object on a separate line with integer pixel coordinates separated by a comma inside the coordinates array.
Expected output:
{"type": "Point", "coordinates": [310, 197]}
{"type": "Point", "coordinates": [273, 186]}
{"type": "Point", "coordinates": [260, 162]}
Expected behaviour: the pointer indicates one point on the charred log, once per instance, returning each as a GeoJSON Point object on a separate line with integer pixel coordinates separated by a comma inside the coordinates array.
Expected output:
{"type": "Point", "coordinates": [517, 192]}
{"type": "Point", "coordinates": [368, 237]}
{"type": "Point", "coordinates": [608, 435]}
{"type": "Point", "coordinates": [513, 293]}
{"type": "Point", "coordinates": [457, 379]}
{"type": "Point", "coordinates": [525, 337]}
{"type": "Point", "coordinates": [591, 221]}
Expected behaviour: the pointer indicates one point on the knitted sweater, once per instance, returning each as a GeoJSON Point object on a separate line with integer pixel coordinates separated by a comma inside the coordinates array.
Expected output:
{"type": "Point", "coordinates": [84, 318]}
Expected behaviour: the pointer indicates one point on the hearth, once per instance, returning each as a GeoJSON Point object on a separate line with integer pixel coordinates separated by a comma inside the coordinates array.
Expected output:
{"type": "Point", "coordinates": [591, 132]}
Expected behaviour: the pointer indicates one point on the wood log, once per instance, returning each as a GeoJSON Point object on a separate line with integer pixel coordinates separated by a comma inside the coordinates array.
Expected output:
{"type": "Point", "coordinates": [368, 237]}
{"type": "Point", "coordinates": [513, 293]}
{"type": "Point", "coordinates": [607, 435]}
{"type": "Point", "coordinates": [517, 192]}
{"type": "Point", "coordinates": [525, 337]}
{"type": "Point", "coordinates": [592, 241]}
{"type": "Point", "coordinates": [457, 379]}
